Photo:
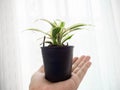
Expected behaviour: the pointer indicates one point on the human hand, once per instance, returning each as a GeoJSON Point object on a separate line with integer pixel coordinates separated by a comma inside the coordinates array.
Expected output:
{"type": "Point", "coordinates": [79, 68]}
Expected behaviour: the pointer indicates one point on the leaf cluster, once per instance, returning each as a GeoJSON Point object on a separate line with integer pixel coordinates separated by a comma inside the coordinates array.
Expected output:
{"type": "Point", "coordinates": [58, 33]}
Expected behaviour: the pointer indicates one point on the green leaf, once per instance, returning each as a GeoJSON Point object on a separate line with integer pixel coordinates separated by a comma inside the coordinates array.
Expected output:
{"type": "Point", "coordinates": [76, 26]}
{"type": "Point", "coordinates": [69, 31]}
{"type": "Point", "coordinates": [55, 23]}
{"type": "Point", "coordinates": [54, 41]}
{"type": "Point", "coordinates": [67, 38]}
{"type": "Point", "coordinates": [59, 39]}
{"type": "Point", "coordinates": [75, 29]}
{"type": "Point", "coordinates": [66, 32]}
{"type": "Point", "coordinates": [62, 24]}
{"type": "Point", "coordinates": [52, 24]}
{"type": "Point", "coordinates": [37, 30]}
{"type": "Point", "coordinates": [55, 31]}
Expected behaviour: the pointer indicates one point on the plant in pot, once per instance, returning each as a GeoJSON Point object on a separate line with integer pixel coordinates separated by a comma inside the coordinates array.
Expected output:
{"type": "Point", "coordinates": [57, 55]}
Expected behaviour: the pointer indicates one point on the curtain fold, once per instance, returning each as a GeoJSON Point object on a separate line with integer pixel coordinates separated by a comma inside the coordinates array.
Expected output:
{"type": "Point", "coordinates": [20, 54]}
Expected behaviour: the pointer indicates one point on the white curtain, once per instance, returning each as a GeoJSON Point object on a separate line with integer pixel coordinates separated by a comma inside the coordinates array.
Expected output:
{"type": "Point", "coordinates": [10, 72]}
{"type": "Point", "coordinates": [20, 54]}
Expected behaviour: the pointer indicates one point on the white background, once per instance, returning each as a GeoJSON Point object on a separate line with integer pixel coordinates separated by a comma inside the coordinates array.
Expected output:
{"type": "Point", "coordinates": [20, 54]}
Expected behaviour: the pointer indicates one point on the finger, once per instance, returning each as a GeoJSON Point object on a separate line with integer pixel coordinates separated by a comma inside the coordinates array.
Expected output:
{"type": "Point", "coordinates": [42, 69]}
{"type": "Point", "coordinates": [74, 60]}
{"type": "Point", "coordinates": [85, 59]}
{"type": "Point", "coordinates": [81, 73]}
{"type": "Point", "coordinates": [76, 63]}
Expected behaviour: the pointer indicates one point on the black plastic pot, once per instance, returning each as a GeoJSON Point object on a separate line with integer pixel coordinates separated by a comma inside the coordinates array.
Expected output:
{"type": "Point", "coordinates": [57, 62]}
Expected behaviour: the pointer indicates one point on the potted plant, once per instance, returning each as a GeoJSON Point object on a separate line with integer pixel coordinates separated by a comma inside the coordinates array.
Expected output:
{"type": "Point", "coordinates": [57, 55]}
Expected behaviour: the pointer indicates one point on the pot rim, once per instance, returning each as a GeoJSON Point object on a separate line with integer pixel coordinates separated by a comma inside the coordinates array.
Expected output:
{"type": "Point", "coordinates": [58, 47]}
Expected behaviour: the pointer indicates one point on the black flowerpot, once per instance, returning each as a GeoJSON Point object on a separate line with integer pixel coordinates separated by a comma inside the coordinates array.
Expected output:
{"type": "Point", "coordinates": [57, 62]}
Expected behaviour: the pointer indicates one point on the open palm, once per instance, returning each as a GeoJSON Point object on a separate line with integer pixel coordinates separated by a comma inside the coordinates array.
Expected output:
{"type": "Point", "coordinates": [79, 68]}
